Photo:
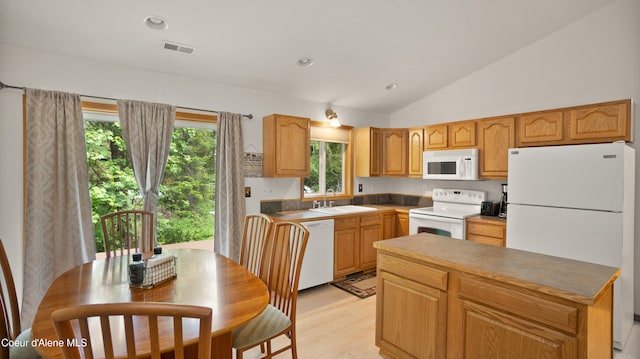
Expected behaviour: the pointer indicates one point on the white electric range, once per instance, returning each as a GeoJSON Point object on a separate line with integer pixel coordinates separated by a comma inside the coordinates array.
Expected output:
{"type": "Point", "coordinates": [447, 216]}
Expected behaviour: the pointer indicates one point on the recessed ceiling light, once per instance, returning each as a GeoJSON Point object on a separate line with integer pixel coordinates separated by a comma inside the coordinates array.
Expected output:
{"type": "Point", "coordinates": [156, 22]}
{"type": "Point", "coordinates": [390, 87]}
{"type": "Point", "coordinates": [305, 61]}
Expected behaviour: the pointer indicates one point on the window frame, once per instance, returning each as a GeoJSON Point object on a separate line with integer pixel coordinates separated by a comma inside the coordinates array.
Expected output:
{"type": "Point", "coordinates": [347, 165]}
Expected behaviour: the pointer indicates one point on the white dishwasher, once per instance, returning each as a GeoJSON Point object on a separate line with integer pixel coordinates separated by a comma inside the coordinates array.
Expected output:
{"type": "Point", "coordinates": [317, 264]}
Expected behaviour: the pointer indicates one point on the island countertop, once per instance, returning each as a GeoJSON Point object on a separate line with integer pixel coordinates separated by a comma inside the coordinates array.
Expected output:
{"type": "Point", "coordinates": [577, 281]}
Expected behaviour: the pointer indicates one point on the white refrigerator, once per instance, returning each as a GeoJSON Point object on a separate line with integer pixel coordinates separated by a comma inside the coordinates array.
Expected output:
{"type": "Point", "coordinates": [577, 202]}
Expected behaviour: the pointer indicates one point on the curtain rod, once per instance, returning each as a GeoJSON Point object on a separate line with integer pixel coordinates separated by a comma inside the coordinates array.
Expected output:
{"type": "Point", "coordinates": [3, 86]}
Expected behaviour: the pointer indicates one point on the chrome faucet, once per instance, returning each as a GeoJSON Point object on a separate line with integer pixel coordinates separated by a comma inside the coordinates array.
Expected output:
{"type": "Point", "coordinates": [325, 197]}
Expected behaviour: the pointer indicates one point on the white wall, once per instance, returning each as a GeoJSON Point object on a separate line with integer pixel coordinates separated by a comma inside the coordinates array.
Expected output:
{"type": "Point", "coordinates": [36, 69]}
{"type": "Point", "coordinates": [595, 59]}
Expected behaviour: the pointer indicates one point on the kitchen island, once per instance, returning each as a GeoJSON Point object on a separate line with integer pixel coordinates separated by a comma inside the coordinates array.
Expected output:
{"type": "Point", "coordinates": [444, 298]}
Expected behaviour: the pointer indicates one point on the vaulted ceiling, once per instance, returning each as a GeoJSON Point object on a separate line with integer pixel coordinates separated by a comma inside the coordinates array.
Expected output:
{"type": "Point", "coordinates": [358, 47]}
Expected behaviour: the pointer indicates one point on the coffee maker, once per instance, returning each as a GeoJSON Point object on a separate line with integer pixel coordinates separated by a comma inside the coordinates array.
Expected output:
{"type": "Point", "coordinates": [503, 202]}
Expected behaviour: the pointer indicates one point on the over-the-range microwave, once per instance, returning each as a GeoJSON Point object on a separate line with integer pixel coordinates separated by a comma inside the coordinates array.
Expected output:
{"type": "Point", "coordinates": [450, 164]}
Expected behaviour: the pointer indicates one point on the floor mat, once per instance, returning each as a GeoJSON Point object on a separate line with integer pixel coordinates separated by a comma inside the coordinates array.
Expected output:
{"type": "Point", "coordinates": [360, 285]}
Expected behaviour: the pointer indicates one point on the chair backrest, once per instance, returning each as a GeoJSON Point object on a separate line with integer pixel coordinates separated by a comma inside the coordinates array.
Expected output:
{"type": "Point", "coordinates": [114, 318]}
{"type": "Point", "coordinates": [285, 251]}
{"type": "Point", "coordinates": [127, 232]}
{"type": "Point", "coordinates": [257, 230]}
{"type": "Point", "coordinates": [10, 316]}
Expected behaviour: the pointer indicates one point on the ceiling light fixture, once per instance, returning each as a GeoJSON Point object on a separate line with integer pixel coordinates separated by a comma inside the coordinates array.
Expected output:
{"type": "Point", "coordinates": [305, 61]}
{"type": "Point", "coordinates": [156, 22]}
{"type": "Point", "coordinates": [332, 116]}
{"type": "Point", "coordinates": [390, 87]}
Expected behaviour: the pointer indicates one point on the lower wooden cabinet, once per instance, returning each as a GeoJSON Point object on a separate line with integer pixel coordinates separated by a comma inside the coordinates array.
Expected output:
{"type": "Point", "coordinates": [370, 231]}
{"type": "Point", "coordinates": [402, 227]}
{"type": "Point", "coordinates": [439, 309]}
{"type": "Point", "coordinates": [353, 243]}
{"type": "Point", "coordinates": [488, 230]}
{"type": "Point", "coordinates": [415, 323]}
{"type": "Point", "coordinates": [346, 246]}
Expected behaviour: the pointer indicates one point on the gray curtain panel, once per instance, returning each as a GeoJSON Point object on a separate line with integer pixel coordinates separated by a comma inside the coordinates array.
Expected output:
{"type": "Point", "coordinates": [58, 229]}
{"type": "Point", "coordinates": [230, 202]}
{"type": "Point", "coordinates": [147, 129]}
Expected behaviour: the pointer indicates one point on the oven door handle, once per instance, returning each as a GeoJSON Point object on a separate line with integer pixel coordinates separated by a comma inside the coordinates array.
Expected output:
{"type": "Point", "coordinates": [435, 218]}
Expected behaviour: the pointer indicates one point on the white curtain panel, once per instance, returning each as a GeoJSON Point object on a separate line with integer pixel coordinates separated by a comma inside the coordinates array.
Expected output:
{"type": "Point", "coordinates": [147, 129]}
{"type": "Point", "coordinates": [58, 229]}
{"type": "Point", "coordinates": [230, 201]}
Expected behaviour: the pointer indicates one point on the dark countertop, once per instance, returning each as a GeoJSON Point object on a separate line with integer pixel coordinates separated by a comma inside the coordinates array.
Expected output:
{"type": "Point", "coordinates": [489, 219]}
{"type": "Point", "coordinates": [307, 215]}
{"type": "Point", "coordinates": [577, 281]}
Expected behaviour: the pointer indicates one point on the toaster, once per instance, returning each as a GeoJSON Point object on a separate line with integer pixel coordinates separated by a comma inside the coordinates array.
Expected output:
{"type": "Point", "coordinates": [487, 208]}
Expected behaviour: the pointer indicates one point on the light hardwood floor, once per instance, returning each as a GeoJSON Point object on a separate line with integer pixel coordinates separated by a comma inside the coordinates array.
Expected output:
{"type": "Point", "coordinates": [333, 324]}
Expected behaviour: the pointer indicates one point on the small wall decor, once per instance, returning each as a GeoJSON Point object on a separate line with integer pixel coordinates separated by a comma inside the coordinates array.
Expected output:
{"type": "Point", "coordinates": [252, 164]}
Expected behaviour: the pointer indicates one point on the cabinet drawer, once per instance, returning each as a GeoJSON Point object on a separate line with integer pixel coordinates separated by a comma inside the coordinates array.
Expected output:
{"type": "Point", "coordinates": [487, 230]}
{"type": "Point", "coordinates": [370, 220]}
{"type": "Point", "coordinates": [486, 240]}
{"type": "Point", "coordinates": [419, 273]}
{"type": "Point", "coordinates": [560, 316]}
{"type": "Point", "coordinates": [346, 223]}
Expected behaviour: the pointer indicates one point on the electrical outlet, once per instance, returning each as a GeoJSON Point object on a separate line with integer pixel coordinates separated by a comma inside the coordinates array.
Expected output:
{"type": "Point", "coordinates": [247, 191]}
{"type": "Point", "coordinates": [360, 187]}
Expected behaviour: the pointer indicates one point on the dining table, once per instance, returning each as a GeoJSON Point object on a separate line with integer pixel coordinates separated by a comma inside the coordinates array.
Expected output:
{"type": "Point", "coordinates": [204, 278]}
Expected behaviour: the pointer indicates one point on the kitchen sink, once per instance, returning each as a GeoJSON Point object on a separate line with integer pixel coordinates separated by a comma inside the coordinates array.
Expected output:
{"type": "Point", "coordinates": [343, 209]}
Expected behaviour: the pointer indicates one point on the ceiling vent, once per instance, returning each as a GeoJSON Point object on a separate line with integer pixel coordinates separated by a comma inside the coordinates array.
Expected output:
{"type": "Point", "coordinates": [174, 46]}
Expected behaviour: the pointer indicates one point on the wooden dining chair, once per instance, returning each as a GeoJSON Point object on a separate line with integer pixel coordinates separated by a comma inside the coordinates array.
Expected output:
{"type": "Point", "coordinates": [257, 230]}
{"type": "Point", "coordinates": [10, 327]}
{"type": "Point", "coordinates": [284, 253]}
{"type": "Point", "coordinates": [114, 317]}
{"type": "Point", "coordinates": [126, 232]}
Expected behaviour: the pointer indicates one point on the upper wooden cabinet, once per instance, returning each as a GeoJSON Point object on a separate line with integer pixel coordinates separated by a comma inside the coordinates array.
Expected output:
{"type": "Point", "coordinates": [451, 135]}
{"type": "Point", "coordinates": [436, 137]}
{"type": "Point", "coordinates": [541, 127]}
{"type": "Point", "coordinates": [394, 151]}
{"type": "Point", "coordinates": [603, 122]}
{"type": "Point", "coordinates": [415, 151]}
{"type": "Point", "coordinates": [495, 137]}
{"type": "Point", "coordinates": [462, 134]}
{"type": "Point", "coordinates": [286, 142]}
{"type": "Point", "coordinates": [368, 152]}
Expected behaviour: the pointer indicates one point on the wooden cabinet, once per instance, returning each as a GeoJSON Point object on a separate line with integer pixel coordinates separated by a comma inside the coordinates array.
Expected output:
{"type": "Point", "coordinates": [413, 321]}
{"type": "Point", "coordinates": [596, 123]}
{"type": "Point", "coordinates": [368, 159]}
{"type": "Point", "coordinates": [451, 135]}
{"type": "Point", "coordinates": [286, 142]}
{"type": "Point", "coordinates": [353, 243]}
{"type": "Point", "coordinates": [370, 232]}
{"type": "Point", "coordinates": [346, 258]}
{"type": "Point", "coordinates": [439, 298]}
{"type": "Point", "coordinates": [389, 225]}
{"type": "Point", "coordinates": [402, 228]}
{"type": "Point", "coordinates": [495, 137]}
{"type": "Point", "coordinates": [541, 128]}
{"type": "Point", "coordinates": [394, 151]}
{"type": "Point", "coordinates": [436, 137]}
{"type": "Point", "coordinates": [604, 122]}
{"type": "Point", "coordinates": [416, 147]}
{"type": "Point", "coordinates": [462, 134]}
{"type": "Point", "coordinates": [546, 332]}
{"type": "Point", "coordinates": [488, 230]}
